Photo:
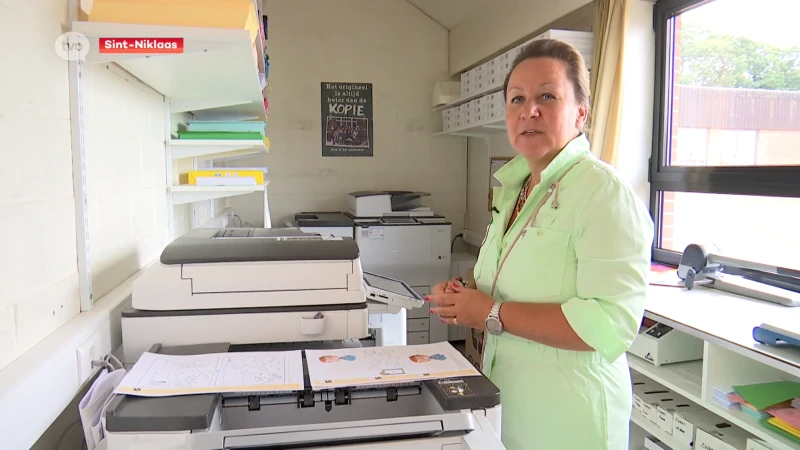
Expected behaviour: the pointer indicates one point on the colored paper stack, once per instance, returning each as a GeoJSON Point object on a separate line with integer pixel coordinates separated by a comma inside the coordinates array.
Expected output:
{"type": "Point", "coordinates": [774, 405]}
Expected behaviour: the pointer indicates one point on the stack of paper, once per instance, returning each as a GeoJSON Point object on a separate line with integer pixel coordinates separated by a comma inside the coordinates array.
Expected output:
{"type": "Point", "coordinates": [726, 397]}
{"type": "Point", "coordinates": [771, 403]}
{"type": "Point", "coordinates": [157, 375]}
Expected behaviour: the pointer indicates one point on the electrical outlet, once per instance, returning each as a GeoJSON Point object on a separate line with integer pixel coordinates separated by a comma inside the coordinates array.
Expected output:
{"type": "Point", "coordinates": [89, 350]}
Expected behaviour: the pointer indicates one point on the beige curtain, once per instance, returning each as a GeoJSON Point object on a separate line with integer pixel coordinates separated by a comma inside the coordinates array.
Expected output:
{"type": "Point", "coordinates": [606, 77]}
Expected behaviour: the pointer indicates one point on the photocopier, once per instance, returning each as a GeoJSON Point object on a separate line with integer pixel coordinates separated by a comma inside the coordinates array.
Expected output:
{"type": "Point", "coordinates": [220, 290]}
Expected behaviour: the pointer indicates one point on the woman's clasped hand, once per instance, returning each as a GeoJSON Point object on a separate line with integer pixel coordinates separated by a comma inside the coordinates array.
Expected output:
{"type": "Point", "coordinates": [457, 304]}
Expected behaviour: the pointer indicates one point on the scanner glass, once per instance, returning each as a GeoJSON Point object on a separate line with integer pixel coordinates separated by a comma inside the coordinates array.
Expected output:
{"type": "Point", "coordinates": [390, 285]}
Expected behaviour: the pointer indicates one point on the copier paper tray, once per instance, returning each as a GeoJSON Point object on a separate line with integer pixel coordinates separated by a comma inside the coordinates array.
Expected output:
{"type": "Point", "coordinates": [433, 409]}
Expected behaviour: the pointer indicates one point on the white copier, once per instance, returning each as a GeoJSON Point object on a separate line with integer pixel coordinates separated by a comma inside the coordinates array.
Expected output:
{"type": "Point", "coordinates": [400, 238]}
{"type": "Point", "coordinates": [385, 327]}
{"type": "Point", "coordinates": [217, 290]}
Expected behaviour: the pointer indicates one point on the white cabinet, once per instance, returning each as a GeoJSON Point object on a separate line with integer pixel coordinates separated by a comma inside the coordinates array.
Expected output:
{"type": "Point", "coordinates": [730, 357]}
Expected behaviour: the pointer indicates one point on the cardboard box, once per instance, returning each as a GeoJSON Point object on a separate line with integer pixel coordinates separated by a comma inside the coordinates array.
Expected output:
{"type": "Point", "coordinates": [715, 439]}
{"type": "Point", "coordinates": [757, 444]}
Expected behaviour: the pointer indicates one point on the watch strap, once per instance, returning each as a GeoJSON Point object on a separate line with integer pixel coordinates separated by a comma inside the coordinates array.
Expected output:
{"type": "Point", "coordinates": [495, 312]}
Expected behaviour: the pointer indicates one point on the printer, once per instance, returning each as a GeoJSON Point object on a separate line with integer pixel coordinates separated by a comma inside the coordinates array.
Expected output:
{"type": "Point", "coordinates": [245, 286]}
{"type": "Point", "coordinates": [234, 290]}
{"type": "Point", "coordinates": [387, 203]}
{"type": "Point", "coordinates": [400, 238]}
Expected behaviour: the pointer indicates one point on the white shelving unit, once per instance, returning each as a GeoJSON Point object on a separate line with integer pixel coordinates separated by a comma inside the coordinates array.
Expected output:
{"type": "Point", "coordinates": [182, 194]}
{"type": "Point", "coordinates": [215, 149]}
{"type": "Point", "coordinates": [481, 109]}
{"type": "Point", "coordinates": [477, 129]}
{"type": "Point", "coordinates": [218, 76]}
{"type": "Point", "coordinates": [468, 98]}
{"type": "Point", "coordinates": [724, 322]}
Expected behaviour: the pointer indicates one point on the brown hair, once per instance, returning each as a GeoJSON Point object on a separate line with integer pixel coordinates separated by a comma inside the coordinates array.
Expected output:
{"type": "Point", "coordinates": [562, 51]}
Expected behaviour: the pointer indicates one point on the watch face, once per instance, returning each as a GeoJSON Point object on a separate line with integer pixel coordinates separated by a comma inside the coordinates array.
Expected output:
{"type": "Point", "coordinates": [493, 326]}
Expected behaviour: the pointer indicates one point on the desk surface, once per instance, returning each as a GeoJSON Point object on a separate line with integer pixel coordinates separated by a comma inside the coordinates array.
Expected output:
{"type": "Point", "coordinates": [726, 319]}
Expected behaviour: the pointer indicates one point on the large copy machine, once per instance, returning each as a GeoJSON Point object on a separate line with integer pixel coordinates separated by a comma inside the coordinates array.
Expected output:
{"type": "Point", "coordinates": [263, 289]}
{"type": "Point", "coordinates": [400, 238]}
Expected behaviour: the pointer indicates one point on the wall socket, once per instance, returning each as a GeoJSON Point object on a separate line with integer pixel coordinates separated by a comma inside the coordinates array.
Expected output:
{"type": "Point", "coordinates": [86, 352]}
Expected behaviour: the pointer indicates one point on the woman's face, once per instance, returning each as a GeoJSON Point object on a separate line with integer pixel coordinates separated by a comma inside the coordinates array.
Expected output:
{"type": "Point", "coordinates": [542, 114]}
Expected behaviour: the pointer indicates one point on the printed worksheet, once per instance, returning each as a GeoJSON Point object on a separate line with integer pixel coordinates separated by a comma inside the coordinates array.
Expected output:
{"type": "Point", "coordinates": [157, 375]}
{"type": "Point", "coordinates": [385, 365]}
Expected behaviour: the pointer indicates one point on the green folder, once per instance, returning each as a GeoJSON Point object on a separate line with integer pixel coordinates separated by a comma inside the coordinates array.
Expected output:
{"type": "Point", "coordinates": [764, 395]}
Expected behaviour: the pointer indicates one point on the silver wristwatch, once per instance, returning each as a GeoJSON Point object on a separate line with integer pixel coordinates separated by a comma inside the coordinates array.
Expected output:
{"type": "Point", "coordinates": [493, 324]}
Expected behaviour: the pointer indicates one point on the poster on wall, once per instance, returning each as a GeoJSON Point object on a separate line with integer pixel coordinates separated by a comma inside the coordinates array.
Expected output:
{"type": "Point", "coordinates": [347, 119]}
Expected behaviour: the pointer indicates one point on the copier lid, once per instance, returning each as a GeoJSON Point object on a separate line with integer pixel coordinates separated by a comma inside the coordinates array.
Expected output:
{"type": "Point", "coordinates": [323, 219]}
{"type": "Point", "coordinates": [211, 245]}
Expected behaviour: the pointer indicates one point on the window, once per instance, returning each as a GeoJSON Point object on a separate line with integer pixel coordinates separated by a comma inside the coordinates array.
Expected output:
{"type": "Point", "coordinates": [725, 168]}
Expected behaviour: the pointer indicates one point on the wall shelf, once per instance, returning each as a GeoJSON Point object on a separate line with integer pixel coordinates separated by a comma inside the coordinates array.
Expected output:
{"type": "Point", "coordinates": [215, 149]}
{"type": "Point", "coordinates": [216, 78]}
{"type": "Point", "coordinates": [189, 193]}
{"type": "Point", "coordinates": [477, 130]}
{"type": "Point", "coordinates": [468, 98]}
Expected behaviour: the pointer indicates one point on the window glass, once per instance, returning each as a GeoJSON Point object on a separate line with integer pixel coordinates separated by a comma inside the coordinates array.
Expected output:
{"type": "Point", "coordinates": [762, 229]}
{"type": "Point", "coordinates": [735, 93]}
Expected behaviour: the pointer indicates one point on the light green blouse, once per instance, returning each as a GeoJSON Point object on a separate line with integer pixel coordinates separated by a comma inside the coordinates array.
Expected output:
{"type": "Point", "coordinates": [583, 240]}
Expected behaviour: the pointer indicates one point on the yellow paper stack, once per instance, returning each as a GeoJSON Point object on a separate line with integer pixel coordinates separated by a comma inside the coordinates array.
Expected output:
{"type": "Point", "coordinates": [226, 177]}
{"type": "Point", "coordinates": [235, 14]}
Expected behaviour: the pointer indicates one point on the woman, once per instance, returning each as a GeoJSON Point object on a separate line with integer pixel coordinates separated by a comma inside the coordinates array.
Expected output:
{"type": "Point", "coordinates": [562, 273]}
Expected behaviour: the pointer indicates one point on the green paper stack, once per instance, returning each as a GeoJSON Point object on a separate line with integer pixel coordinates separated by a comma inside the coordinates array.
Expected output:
{"type": "Point", "coordinates": [223, 130]}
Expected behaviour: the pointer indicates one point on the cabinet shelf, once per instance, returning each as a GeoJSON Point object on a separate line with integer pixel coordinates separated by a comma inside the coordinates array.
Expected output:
{"type": "Point", "coordinates": [215, 149]}
{"type": "Point", "coordinates": [654, 430]}
{"type": "Point", "coordinates": [683, 378]}
{"type": "Point", "coordinates": [182, 194]}
{"type": "Point", "coordinates": [216, 77]}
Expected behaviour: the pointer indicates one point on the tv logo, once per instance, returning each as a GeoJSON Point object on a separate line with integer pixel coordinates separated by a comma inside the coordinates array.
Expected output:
{"type": "Point", "coordinates": [72, 46]}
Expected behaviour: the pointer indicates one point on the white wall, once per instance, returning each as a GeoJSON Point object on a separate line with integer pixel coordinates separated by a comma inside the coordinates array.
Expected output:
{"type": "Point", "coordinates": [124, 130]}
{"type": "Point", "coordinates": [637, 103]}
{"type": "Point", "coordinates": [502, 23]}
{"type": "Point", "coordinates": [388, 43]}
{"type": "Point", "coordinates": [37, 223]}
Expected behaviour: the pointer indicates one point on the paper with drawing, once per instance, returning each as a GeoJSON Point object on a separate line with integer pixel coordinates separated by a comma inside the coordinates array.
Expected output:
{"type": "Point", "coordinates": [157, 375]}
{"type": "Point", "coordinates": [385, 365]}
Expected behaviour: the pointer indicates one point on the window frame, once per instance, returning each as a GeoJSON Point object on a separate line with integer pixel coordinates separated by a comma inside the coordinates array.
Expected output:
{"type": "Point", "coordinates": [770, 181]}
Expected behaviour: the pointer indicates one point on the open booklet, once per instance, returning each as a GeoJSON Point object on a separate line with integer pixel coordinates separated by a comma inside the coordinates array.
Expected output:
{"type": "Point", "coordinates": [158, 375]}
{"type": "Point", "coordinates": [386, 365]}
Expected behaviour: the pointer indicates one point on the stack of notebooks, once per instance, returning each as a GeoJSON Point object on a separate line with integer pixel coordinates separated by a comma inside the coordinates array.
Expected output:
{"type": "Point", "coordinates": [776, 405]}
{"type": "Point", "coordinates": [223, 130]}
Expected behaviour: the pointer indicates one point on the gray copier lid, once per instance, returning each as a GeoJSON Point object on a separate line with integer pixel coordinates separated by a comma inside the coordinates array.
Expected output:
{"type": "Point", "coordinates": [212, 245]}
{"type": "Point", "coordinates": [323, 219]}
